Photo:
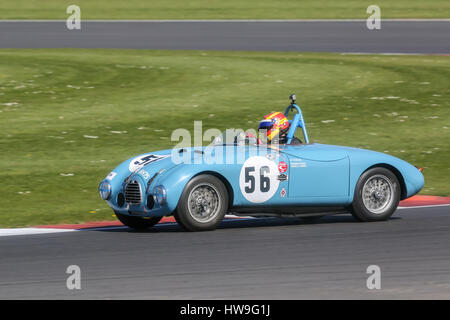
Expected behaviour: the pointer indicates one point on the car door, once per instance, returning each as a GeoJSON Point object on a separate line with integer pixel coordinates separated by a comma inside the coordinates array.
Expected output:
{"type": "Point", "coordinates": [317, 170]}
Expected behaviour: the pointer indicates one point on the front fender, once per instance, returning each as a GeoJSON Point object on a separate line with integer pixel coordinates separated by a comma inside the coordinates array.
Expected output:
{"type": "Point", "coordinates": [174, 180]}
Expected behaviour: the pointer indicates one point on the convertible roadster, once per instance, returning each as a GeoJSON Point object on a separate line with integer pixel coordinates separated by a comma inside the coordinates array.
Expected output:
{"type": "Point", "coordinates": [240, 175]}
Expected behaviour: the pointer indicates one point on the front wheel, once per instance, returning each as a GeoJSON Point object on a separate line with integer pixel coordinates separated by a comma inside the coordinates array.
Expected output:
{"type": "Point", "coordinates": [377, 194]}
{"type": "Point", "coordinates": [202, 204]}
{"type": "Point", "coordinates": [137, 223]}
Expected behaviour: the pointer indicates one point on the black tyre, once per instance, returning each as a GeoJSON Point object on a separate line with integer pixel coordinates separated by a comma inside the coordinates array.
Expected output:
{"type": "Point", "coordinates": [203, 204]}
{"type": "Point", "coordinates": [377, 194]}
{"type": "Point", "coordinates": [137, 223]}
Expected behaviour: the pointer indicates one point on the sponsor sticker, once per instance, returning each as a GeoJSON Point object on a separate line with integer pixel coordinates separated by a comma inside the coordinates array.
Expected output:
{"type": "Point", "coordinates": [298, 163]}
{"type": "Point", "coordinates": [144, 174]}
{"type": "Point", "coordinates": [282, 167]}
{"type": "Point", "coordinates": [111, 175]}
{"type": "Point", "coordinates": [283, 193]}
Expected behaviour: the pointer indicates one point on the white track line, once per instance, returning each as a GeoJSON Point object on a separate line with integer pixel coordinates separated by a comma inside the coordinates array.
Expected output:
{"type": "Point", "coordinates": [391, 53]}
{"type": "Point", "coordinates": [27, 231]}
{"type": "Point", "coordinates": [426, 206]}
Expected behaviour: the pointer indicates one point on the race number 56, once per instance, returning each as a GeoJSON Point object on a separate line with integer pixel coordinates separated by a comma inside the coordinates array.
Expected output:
{"type": "Point", "coordinates": [264, 180]}
{"type": "Point", "coordinates": [258, 179]}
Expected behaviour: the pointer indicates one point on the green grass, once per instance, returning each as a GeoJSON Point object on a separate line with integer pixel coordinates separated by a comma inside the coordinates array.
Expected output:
{"type": "Point", "coordinates": [50, 99]}
{"type": "Point", "coordinates": [219, 9]}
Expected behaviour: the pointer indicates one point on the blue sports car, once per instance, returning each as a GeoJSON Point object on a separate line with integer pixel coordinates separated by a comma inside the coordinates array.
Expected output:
{"type": "Point", "coordinates": [238, 174]}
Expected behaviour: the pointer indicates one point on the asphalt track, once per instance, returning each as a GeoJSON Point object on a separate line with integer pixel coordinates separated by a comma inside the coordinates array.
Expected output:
{"type": "Point", "coordinates": [244, 259]}
{"type": "Point", "coordinates": [430, 37]}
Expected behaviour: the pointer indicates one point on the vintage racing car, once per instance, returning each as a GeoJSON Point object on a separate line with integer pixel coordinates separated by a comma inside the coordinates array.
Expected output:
{"type": "Point", "coordinates": [240, 176]}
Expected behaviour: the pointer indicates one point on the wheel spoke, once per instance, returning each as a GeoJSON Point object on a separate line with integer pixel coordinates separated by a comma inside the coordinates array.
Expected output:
{"type": "Point", "coordinates": [377, 194]}
{"type": "Point", "coordinates": [204, 203]}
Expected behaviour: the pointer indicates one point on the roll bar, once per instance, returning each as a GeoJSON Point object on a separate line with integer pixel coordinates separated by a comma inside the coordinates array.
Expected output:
{"type": "Point", "coordinates": [297, 121]}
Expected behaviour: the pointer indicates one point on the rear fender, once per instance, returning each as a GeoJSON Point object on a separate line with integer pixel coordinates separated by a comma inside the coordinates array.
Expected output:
{"type": "Point", "coordinates": [410, 178]}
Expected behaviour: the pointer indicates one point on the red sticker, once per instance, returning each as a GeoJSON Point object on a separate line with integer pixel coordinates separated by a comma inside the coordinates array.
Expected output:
{"type": "Point", "coordinates": [282, 167]}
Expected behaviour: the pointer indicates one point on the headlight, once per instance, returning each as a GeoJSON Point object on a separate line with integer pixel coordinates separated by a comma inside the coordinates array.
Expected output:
{"type": "Point", "coordinates": [105, 189]}
{"type": "Point", "coordinates": [160, 194]}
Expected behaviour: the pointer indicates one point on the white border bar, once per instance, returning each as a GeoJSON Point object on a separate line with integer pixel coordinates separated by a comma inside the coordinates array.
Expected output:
{"type": "Point", "coordinates": [243, 20]}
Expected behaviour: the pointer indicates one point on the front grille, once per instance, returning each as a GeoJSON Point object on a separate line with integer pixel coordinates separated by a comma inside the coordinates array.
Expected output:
{"type": "Point", "coordinates": [133, 193]}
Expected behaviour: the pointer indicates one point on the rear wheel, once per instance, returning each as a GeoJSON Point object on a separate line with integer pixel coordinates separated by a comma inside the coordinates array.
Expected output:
{"type": "Point", "coordinates": [377, 194]}
{"type": "Point", "coordinates": [138, 223]}
{"type": "Point", "coordinates": [202, 204]}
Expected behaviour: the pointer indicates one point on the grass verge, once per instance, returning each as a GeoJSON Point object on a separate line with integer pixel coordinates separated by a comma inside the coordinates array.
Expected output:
{"type": "Point", "coordinates": [218, 9]}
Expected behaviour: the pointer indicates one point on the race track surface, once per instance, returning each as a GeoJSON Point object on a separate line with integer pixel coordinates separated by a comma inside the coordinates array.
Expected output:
{"type": "Point", "coordinates": [244, 259]}
{"type": "Point", "coordinates": [431, 37]}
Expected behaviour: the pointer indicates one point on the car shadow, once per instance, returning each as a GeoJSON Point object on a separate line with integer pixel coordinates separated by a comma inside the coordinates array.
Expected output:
{"type": "Point", "coordinates": [240, 223]}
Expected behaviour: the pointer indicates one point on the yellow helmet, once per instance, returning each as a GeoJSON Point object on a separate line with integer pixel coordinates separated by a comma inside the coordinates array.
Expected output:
{"type": "Point", "coordinates": [275, 123]}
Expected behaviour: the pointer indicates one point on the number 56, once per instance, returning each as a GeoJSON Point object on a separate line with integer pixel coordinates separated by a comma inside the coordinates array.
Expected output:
{"type": "Point", "coordinates": [264, 184]}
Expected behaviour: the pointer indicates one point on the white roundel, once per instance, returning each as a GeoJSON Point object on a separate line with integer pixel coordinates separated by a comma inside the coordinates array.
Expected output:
{"type": "Point", "coordinates": [258, 179]}
{"type": "Point", "coordinates": [143, 160]}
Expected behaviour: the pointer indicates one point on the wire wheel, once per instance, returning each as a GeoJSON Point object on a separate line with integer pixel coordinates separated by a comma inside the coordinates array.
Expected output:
{"type": "Point", "coordinates": [377, 193]}
{"type": "Point", "coordinates": [204, 203]}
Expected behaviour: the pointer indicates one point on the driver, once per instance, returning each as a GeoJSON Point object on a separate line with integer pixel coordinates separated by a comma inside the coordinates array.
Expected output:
{"type": "Point", "coordinates": [275, 126]}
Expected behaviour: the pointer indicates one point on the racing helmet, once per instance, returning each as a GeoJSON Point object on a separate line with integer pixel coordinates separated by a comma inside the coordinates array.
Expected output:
{"type": "Point", "coordinates": [276, 125]}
